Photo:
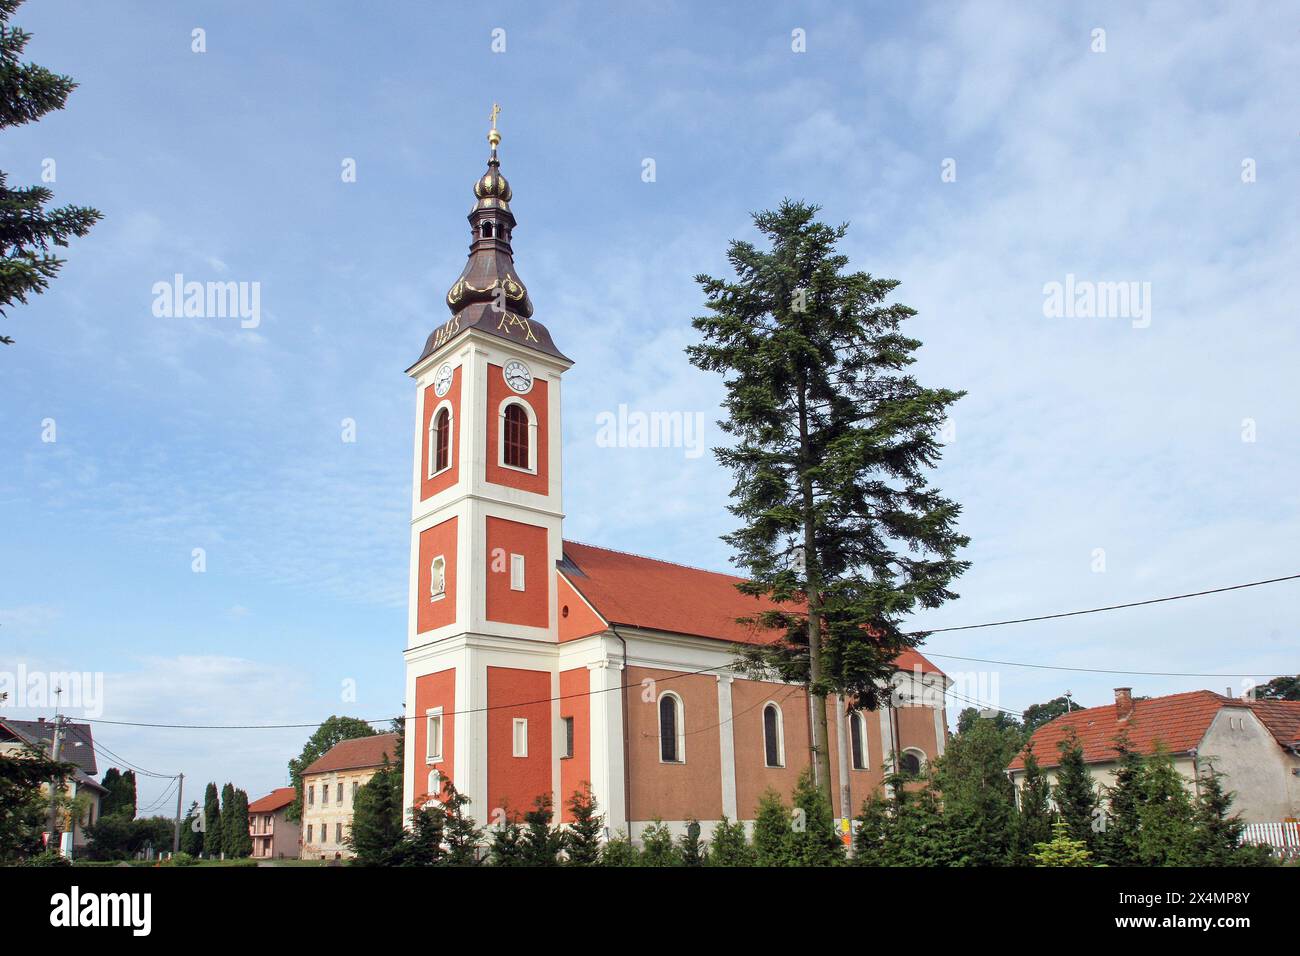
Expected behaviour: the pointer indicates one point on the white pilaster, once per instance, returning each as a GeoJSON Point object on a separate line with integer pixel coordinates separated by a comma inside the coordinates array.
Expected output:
{"type": "Point", "coordinates": [727, 746]}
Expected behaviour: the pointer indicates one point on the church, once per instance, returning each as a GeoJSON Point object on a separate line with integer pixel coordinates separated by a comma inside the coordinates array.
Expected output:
{"type": "Point", "coordinates": [536, 665]}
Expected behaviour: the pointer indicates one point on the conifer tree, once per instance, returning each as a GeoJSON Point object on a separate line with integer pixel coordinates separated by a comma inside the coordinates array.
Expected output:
{"type": "Point", "coordinates": [1118, 843]}
{"type": "Point", "coordinates": [212, 842]}
{"type": "Point", "coordinates": [1035, 818]}
{"type": "Point", "coordinates": [979, 800]}
{"type": "Point", "coordinates": [229, 825]}
{"type": "Point", "coordinates": [461, 834]}
{"type": "Point", "coordinates": [1062, 849]}
{"type": "Point", "coordinates": [729, 847]}
{"type": "Point", "coordinates": [541, 843]}
{"type": "Point", "coordinates": [582, 841]}
{"type": "Point", "coordinates": [833, 440]}
{"type": "Point", "coordinates": [657, 845]}
{"type": "Point", "coordinates": [241, 842]}
{"type": "Point", "coordinates": [191, 836]}
{"type": "Point", "coordinates": [1165, 828]}
{"type": "Point", "coordinates": [377, 819]}
{"type": "Point", "coordinates": [689, 848]}
{"type": "Point", "coordinates": [1216, 832]}
{"type": "Point", "coordinates": [815, 841]}
{"type": "Point", "coordinates": [507, 845]}
{"type": "Point", "coordinates": [1075, 794]}
{"type": "Point", "coordinates": [423, 843]}
{"type": "Point", "coordinates": [27, 228]}
{"type": "Point", "coordinates": [772, 831]}
{"type": "Point", "coordinates": [619, 851]}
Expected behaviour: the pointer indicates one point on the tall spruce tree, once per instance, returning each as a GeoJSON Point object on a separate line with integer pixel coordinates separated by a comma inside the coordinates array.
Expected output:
{"type": "Point", "coordinates": [541, 841]}
{"type": "Point", "coordinates": [229, 825]}
{"type": "Point", "coordinates": [979, 801]}
{"type": "Point", "coordinates": [212, 842]}
{"type": "Point", "coordinates": [772, 831]}
{"type": "Point", "coordinates": [1075, 793]}
{"type": "Point", "coordinates": [462, 835]}
{"type": "Point", "coordinates": [1118, 843]}
{"type": "Point", "coordinates": [27, 228]}
{"type": "Point", "coordinates": [191, 835]}
{"type": "Point", "coordinates": [241, 841]}
{"type": "Point", "coordinates": [1165, 815]}
{"type": "Point", "coordinates": [832, 441]}
{"type": "Point", "coordinates": [814, 841]}
{"type": "Point", "coordinates": [1034, 825]}
{"type": "Point", "coordinates": [377, 833]}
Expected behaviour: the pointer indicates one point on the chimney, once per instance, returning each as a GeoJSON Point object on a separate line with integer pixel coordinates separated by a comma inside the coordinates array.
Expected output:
{"type": "Point", "coordinates": [1123, 702]}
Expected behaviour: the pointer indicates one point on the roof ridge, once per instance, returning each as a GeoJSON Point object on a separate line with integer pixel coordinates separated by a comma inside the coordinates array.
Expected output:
{"type": "Point", "coordinates": [646, 557]}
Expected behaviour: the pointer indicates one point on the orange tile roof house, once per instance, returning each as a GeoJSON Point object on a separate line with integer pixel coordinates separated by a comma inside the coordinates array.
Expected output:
{"type": "Point", "coordinates": [1254, 743]}
{"type": "Point", "coordinates": [329, 790]}
{"type": "Point", "coordinates": [274, 835]}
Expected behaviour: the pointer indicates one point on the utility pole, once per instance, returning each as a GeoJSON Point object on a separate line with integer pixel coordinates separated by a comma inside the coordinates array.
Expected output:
{"type": "Point", "coordinates": [180, 790]}
{"type": "Point", "coordinates": [56, 747]}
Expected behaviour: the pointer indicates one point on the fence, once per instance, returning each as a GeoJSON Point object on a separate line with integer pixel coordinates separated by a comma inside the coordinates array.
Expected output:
{"type": "Point", "coordinates": [1282, 837]}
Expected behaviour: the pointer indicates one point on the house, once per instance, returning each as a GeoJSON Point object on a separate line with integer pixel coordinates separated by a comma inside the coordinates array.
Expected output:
{"type": "Point", "coordinates": [77, 747]}
{"type": "Point", "coordinates": [535, 664]}
{"type": "Point", "coordinates": [329, 793]}
{"type": "Point", "coordinates": [1254, 743]}
{"type": "Point", "coordinates": [274, 835]}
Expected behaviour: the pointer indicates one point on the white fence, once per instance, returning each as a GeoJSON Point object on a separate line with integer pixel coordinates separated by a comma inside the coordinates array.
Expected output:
{"type": "Point", "coordinates": [1283, 837]}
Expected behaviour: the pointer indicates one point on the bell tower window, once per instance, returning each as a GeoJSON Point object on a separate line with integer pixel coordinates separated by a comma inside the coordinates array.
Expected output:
{"type": "Point", "coordinates": [487, 230]}
{"type": "Point", "coordinates": [515, 437]}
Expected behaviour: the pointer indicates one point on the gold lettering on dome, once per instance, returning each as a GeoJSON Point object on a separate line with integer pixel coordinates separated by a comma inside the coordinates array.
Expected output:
{"type": "Point", "coordinates": [444, 334]}
{"type": "Point", "coordinates": [511, 321]}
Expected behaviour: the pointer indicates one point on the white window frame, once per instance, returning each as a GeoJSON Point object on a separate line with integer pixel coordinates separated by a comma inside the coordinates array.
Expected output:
{"type": "Point", "coordinates": [519, 737]}
{"type": "Point", "coordinates": [434, 786]}
{"type": "Point", "coordinates": [566, 751]}
{"type": "Point", "coordinates": [863, 738]}
{"type": "Point", "coordinates": [431, 469]}
{"type": "Point", "coordinates": [680, 709]}
{"type": "Point", "coordinates": [532, 435]}
{"type": "Point", "coordinates": [780, 735]}
{"type": "Point", "coordinates": [517, 578]}
{"type": "Point", "coordinates": [432, 754]}
{"type": "Point", "coordinates": [433, 577]}
{"type": "Point", "coordinates": [920, 756]}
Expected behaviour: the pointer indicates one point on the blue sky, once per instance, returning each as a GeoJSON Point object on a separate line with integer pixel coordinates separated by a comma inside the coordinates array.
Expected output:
{"type": "Point", "coordinates": [1078, 434]}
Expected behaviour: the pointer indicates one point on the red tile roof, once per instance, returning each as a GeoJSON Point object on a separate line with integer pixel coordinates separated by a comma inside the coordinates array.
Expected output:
{"type": "Point", "coordinates": [1178, 722]}
{"type": "Point", "coordinates": [277, 798]}
{"type": "Point", "coordinates": [356, 754]}
{"type": "Point", "coordinates": [662, 596]}
{"type": "Point", "coordinates": [1281, 717]}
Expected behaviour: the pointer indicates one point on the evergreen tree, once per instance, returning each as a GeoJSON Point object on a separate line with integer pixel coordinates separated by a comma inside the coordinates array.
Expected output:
{"type": "Point", "coordinates": [120, 800]}
{"type": "Point", "coordinates": [332, 731]}
{"type": "Point", "coordinates": [27, 228]}
{"type": "Point", "coordinates": [1035, 818]}
{"type": "Point", "coordinates": [229, 825]}
{"type": "Point", "coordinates": [657, 845]}
{"type": "Point", "coordinates": [507, 846]}
{"type": "Point", "coordinates": [24, 806]}
{"type": "Point", "coordinates": [377, 832]}
{"type": "Point", "coordinates": [461, 834]}
{"type": "Point", "coordinates": [815, 841]}
{"type": "Point", "coordinates": [619, 851]}
{"type": "Point", "coordinates": [1165, 828]}
{"type": "Point", "coordinates": [729, 847]}
{"type": "Point", "coordinates": [241, 841]}
{"type": "Point", "coordinates": [1075, 794]}
{"type": "Point", "coordinates": [212, 842]}
{"type": "Point", "coordinates": [192, 836]}
{"type": "Point", "coordinates": [542, 842]}
{"type": "Point", "coordinates": [832, 445]}
{"type": "Point", "coordinates": [870, 839]}
{"type": "Point", "coordinates": [423, 843]}
{"type": "Point", "coordinates": [1118, 843]}
{"type": "Point", "coordinates": [1062, 850]}
{"type": "Point", "coordinates": [772, 831]}
{"type": "Point", "coordinates": [1216, 835]}
{"type": "Point", "coordinates": [689, 848]}
{"type": "Point", "coordinates": [979, 800]}
{"type": "Point", "coordinates": [1036, 715]}
{"type": "Point", "coordinates": [582, 842]}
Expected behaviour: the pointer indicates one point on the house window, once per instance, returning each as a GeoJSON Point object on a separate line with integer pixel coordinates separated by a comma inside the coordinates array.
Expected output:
{"type": "Point", "coordinates": [910, 763]}
{"type": "Point", "coordinates": [568, 737]}
{"type": "Point", "coordinates": [311, 796]}
{"type": "Point", "coordinates": [438, 579]}
{"type": "Point", "coordinates": [773, 736]}
{"type": "Point", "coordinates": [338, 833]}
{"type": "Point", "coordinates": [433, 735]}
{"type": "Point", "coordinates": [340, 793]}
{"type": "Point", "coordinates": [672, 742]}
{"type": "Point", "coordinates": [440, 442]}
{"type": "Point", "coordinates": [355, 787]}
{"type": "Point", "coordinates": [858, 740]}
{"type": "Point", "coordinates": [516, 572]}
{"type": "Point", "coordinates": [521, 737]}
{"type": "Point", "coordinates": [324, 794]}
{"type": "Point", "coordinates": [309, 833]}
{"type": "Point", "coordinates": [515, 437]}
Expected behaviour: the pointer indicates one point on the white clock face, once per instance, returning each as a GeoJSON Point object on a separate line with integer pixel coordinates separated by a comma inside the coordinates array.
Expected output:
{"type": "Point", "coordinates": [518, 377]}
{"type": "Point", "coordinates": [442, 381]}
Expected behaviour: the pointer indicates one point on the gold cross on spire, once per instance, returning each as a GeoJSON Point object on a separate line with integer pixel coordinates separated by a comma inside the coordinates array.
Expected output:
{"type": "Point", "coordinates": [494, 137]}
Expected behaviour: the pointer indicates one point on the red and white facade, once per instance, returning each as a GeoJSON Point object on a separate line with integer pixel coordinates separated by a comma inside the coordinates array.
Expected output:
{"type": "Point", "coordinates": [534, 665]}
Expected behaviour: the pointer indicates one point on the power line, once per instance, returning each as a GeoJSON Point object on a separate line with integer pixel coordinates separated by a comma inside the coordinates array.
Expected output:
{"type": "Point", "coordinates": [705, 670]}
{"type": "Point", "coordinates": [109, 755]}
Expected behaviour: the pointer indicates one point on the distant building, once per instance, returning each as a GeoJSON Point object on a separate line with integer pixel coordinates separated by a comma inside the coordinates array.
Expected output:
{"type": "Point", "coordinates": [77, 748]}
{"type": "Point", "coordinates": [1254, 743]}
{"type": "Point", "coordinates": [329, 793]}
{"type": "Point", "coordinates": [274, 835]}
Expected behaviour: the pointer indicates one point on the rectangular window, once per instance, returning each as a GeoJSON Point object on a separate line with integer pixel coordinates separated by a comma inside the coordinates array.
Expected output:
{"type": "Point", "coordinates": [521, 737]}
{"type": "Point", "coordinates": [309, 833]}
{"type": "Point", "coordinates": [340, 793]}
{"type": "Point", "coordinates": [311, 796]}
{"type": "Point", "coordinates": [516, 572]}
{"type": "Point", "coordinates": [568, 737]}
{"type": "Point", "coordinates": [355, 785]}
{"type": "Point", "coordinates": [433, 735]}
{"type": "Point", "coordinates": [338, 833]}
{"type": "Point", "coordinates": [324, 794]}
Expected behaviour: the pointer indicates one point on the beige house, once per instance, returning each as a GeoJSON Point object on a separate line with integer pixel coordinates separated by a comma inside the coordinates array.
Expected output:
{"type": "Point", "coordinates": [273, 834]}
{"type": "Point", "coordinates": [329, 793]}
{"type": "Point", "coordinates": [1255, 744]}
{"type": "Point", "coordinates": [77, 747]}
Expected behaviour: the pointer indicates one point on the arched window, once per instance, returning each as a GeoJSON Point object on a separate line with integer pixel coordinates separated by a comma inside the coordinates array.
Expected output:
{"type": "Point", "coordinates": [773, 736]}
{"type": "Point", "coordinates": [487, 230]}
{"type": "Point", "coordinates": [671, 739]}
{"type": "Point", "coordinates": [441, 440]}
{"type": "Point", "coordinates": [910, 763]}
{"type": "Point", "coordinates": [515, 437]}
{"type": "Point", "coordinates": [435, 785]}
{"type": "Point", "coordinates": [858, 740]}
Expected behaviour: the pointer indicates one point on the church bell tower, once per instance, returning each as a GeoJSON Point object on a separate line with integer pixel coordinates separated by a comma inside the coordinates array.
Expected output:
{"type": "Point", "coordinates": [486, 513]}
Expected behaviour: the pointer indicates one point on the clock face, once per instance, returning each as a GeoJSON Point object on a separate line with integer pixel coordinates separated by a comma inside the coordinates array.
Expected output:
{"type": "Point", "coordinates": [517, 376]}
{"type": "Point", "coordinates": [442, 381]}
